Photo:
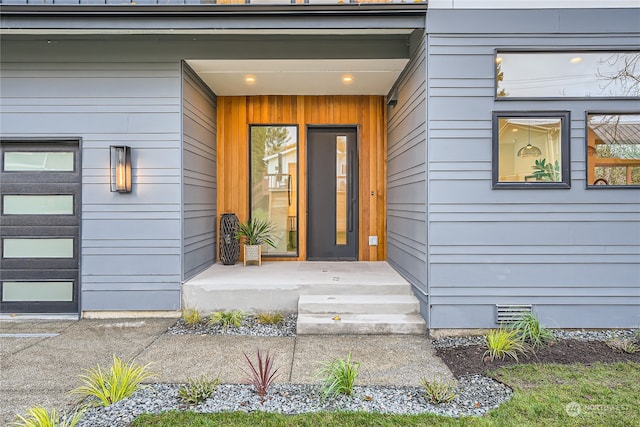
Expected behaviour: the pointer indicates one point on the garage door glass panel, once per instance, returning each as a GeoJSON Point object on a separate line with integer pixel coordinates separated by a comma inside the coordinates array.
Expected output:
{"type": "Point", "coordinates": [37, 291]}
{"type": "Point", "coordinates": [37, 248]}
{"type": "Point", "coordinates": [40, 161]}
{"type": "Point", "coordinates": [37, 205]}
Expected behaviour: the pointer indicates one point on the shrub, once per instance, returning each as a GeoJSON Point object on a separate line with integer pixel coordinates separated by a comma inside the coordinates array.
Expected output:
{"type": "Point", "coordinates": [528, 329]}
{"type": "Point", "coordinates": [437, 392]}
{"type": "Point", "coordinates": [623, 345]}
{"type": "Point", "coordinates": [122, 380]}
{"type": "Point", "coordinates": [191, 316]}
{"type": "Point", "coordinates": [501, 343]}
{"type": "Point", "coordinates": [262, 375]}
{"type": "Point", "coordinates": [270, 318]}
{"type": "Point", "coordinates": [339, 376]}
{"type": "Point", "coordinates": [226, 318]}
{"type": "Point", "coordinates": [198, 390]}
{"type": "Point", "coordinates": [38, 416]}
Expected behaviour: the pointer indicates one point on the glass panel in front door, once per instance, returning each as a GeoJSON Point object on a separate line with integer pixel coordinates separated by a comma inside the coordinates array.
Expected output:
{"type": "Point", "coordinates": [274, 172]}
{"type": "Point", "coordinates": [341, 190]}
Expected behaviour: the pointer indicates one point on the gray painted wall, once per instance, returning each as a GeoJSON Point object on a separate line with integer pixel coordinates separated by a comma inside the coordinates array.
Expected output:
{"type": "Point", "coordinates": [406, 174]}
{"type": "Point", "coordinates": [199, 174]}
{"type": "Point", "coordinates": [574, 254]}
{"type": "Point", "coordinates": [130, 256]}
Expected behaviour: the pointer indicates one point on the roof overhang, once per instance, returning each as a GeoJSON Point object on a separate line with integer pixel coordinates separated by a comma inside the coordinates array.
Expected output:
{"type": "Point", "coordinates": [277, 19]}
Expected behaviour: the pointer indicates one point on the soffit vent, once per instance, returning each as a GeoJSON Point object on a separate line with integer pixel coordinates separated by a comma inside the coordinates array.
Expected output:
{"type": "Point", "coordinates": [509, 313]}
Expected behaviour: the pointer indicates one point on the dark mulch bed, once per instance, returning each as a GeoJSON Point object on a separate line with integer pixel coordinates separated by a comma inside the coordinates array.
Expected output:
{"type": "Point", "coordinates": [469, 360]}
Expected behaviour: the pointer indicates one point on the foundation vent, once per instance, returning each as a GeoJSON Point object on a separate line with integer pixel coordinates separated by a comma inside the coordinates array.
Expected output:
{"type": "Point", "coordinates": [508, 313]}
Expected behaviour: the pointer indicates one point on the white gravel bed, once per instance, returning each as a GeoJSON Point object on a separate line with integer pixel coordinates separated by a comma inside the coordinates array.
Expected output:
{"type": "Point", "coordinates": [579, 335]}
{"type": "Point", "coordinates": [475, 395]}
{"type": "Point", "coordinates": [249, 327]}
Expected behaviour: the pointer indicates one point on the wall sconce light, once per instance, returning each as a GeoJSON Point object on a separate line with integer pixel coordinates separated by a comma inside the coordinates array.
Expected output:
{"type": "Point", "coordinates": [120, 174]}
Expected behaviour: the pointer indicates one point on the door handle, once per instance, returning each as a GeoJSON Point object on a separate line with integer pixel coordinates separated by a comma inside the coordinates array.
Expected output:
{"type": "Point", "coordinates": [289, 189]}
{"type": "Point", "coordinates": [351, 191]}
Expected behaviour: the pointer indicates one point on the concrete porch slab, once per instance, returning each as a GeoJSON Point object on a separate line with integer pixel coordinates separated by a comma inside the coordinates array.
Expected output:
{"type": "Point", "coordinates": [278, 285]}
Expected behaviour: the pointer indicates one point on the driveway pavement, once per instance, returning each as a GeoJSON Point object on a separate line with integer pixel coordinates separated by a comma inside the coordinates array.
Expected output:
{"type": "Point", "coordinates": [40, 361]}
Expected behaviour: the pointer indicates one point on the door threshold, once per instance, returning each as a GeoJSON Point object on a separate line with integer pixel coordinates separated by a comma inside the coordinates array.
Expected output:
{"type": "Point", "coordinates": [39, 316]}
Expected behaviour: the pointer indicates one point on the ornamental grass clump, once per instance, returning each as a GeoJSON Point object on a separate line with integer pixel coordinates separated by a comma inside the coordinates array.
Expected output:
{"type": "Point", "coordinates": [338, 377]}
{"type": "Point", "coordinates": [501, 343]}
{"type": "Point", "coordinates": [438, 392]}
{"type": "Point", "coordinates": [529, 330]}
{"type": "Point", "coordinates": [198, 390]}
{"type": "Point", "coordinates": [270, 318]}
{"type": "Point", "coordinates": [191, 316]}
{"type": "Point", "coordinates": [262, 374]}
{"type": "Point", "coordinates": [226, 318]}
{"type": "Point", "coordinates": [623, 345]}
{"type": "Point", "coordinates": [39, 416]}
{"type": "Point", "coordinates": [119, 382]}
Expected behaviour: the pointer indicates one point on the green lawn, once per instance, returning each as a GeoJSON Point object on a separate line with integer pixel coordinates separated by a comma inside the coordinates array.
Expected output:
{"type": "Point", "coordinates": [545, 395]}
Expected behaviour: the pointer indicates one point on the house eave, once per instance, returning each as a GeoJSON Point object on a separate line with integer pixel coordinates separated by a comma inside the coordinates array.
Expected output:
{"type": "Point", "coordinates": [209, 17]}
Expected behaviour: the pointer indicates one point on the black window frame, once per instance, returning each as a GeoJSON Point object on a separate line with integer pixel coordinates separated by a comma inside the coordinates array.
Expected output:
{"type": "Point", "coordinates": [498, 51]}
{"type": "Point", "coordinates": [565, 149]}
{"type": "Point", "coordinates": [588, 113]}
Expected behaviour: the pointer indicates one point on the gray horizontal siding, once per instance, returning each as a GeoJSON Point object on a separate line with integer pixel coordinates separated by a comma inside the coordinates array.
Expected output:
{"type": "Point", "coordinates": [130, 256]}
{"type": "Point", "coordinates": [574, 254]}
{"type": "Point", "coordinates": [406, 177]}
{"type": "Point", "coordinates": [199, 182]}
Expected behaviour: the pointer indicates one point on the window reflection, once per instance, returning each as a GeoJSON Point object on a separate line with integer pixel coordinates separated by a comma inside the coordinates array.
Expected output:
{"type": "Point", "coordinates": [274, 171]}
{"type": "Point", "coordinates": [613, 149]}
{"type": "Point", "coordinates": [567, 74]}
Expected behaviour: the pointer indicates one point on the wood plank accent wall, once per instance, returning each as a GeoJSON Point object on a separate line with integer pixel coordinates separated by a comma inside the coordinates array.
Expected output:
{"type": "Point", "coordinates": [368, 113]}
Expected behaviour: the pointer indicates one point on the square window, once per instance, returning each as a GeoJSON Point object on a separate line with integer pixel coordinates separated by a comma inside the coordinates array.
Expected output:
{"type": "Point", "coordinates": [613, 150]}
{"type": "Point", "coordinates": [531, 150]}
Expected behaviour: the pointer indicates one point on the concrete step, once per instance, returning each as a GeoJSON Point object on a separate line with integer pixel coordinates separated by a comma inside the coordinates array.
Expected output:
{"type": "Point", "coordinates": [358, 304]}
{"type": "Point", "coordinates": [361, 324]}
{"type": "Point", "coordinates": [338, 288]}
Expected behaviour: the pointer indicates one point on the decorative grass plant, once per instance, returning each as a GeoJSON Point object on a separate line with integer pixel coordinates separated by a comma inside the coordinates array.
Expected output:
{"type": "Point", "coordinates": [39, 416]}
{"type": "Point", "coordinates": [191, 316]}
{"type": "Point", "coordinates": [437, 392]}
{"type": "Point", "coordinates": [623, 345]}
{"type": "Point", "coordinates": [270, 318]}
{"type": "Point", "coordinates": [119, 382]}
{"type": "Point", "coordinates": [226, 318]}
{"type": "Point", "coordinates": [528, 329]}
{"type": "Point", "coordinates": [503, 342]}
{"type": "Point", "coordinates": [198, 390]}
{"type": "Point", "coordinates": [256, 232]}
{"type": "Point", "coordinates": [338, 377]}
{"type": "Point", "coordinates": [262, 374]}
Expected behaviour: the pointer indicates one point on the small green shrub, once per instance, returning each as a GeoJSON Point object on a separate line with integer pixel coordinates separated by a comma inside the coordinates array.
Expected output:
{"type": "Point", "coordinates": [262, 375]}
{"type": "Point", "coordinates": [270, 318]}
{"type": "Point", "coordinates": [226, 318]}
{"type": "Point", "coordinates": [501, 343]}
{"type": "Point", "coordinates": [529, 330]}
{"type": "Point", "coordinates": [38, 416]}
{"type": "Point", "coordinates": [623, 345]}
{"type": "Point", "coordinates": [437, 392]}
{"type": "Point", "coordinates": [198, 390]}
{"type": "Point", "coordinates": [120, 382]}
{"type": "Point", "coordinates": [191, 316]}
{"type": "Point", "coordinates": [338, 377]}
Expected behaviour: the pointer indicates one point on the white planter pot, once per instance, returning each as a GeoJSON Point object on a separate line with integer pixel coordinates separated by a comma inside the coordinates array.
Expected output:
{"type": "Point", "coordinates": [252, 253]}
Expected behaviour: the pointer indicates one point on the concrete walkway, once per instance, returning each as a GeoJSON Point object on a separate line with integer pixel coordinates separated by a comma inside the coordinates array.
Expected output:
{"type": "Point", "coordinates": [40, 361]}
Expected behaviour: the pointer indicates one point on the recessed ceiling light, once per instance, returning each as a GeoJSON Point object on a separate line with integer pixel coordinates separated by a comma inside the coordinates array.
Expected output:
{"type": "Point", "coordinates": [575, 60]}
{"type": "Point", "coordinates": [515, 129]}
{"type": "Point", "coordinates": [347, 79]}
{"type": "Point", "coordinates": [250, 79]}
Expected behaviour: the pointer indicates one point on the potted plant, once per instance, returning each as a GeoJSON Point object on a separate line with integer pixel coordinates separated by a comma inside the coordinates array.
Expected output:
{"type": "Point", "coordinates": [255, 233]}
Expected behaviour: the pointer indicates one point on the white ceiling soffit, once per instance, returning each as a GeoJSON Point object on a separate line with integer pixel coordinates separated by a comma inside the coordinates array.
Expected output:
{"type": "Point", "coordinates": [299, 77]}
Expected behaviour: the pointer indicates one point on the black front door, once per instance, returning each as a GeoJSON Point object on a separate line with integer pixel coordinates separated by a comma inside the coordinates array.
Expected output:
{"type": "Point", "coordinates": [40, 215]}
{"type": "Point", "coordinates": [332, 171]}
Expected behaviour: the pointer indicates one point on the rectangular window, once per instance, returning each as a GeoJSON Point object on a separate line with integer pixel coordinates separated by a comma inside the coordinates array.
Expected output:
{"type": "Point", "coordinates": [576, 74]}
{"type": "Point", "coordinates": [37, 248]}
{"type": "Point", "coordinates": [531, 150]}
{"type": "Point", "coordinates": [37, 204]}
{"type": "Point", "coordinates": [274, 188]}
{"type": "Point", "coordinates": [613, 150]}
{"type": "Point", "coordinates": [341, 190]}
{"type": "Point", "coordinates": [37, 291]}
{"type": "Point", "coordinates": [38, 161]}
